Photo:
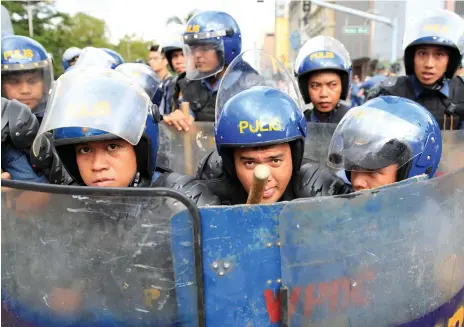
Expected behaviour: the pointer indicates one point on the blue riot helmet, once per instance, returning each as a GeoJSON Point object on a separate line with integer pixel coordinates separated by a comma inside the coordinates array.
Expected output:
{"type": "Point", "coordinates": [172, 41]}
{"type": "Point", "coordinates": [258, 112]}
{"type": "Point", "coordinates": [438, 27]}
{"type": "Point", "coordinates": [141, 75]}
{"type": "Point", "coordinates": [97, 104]}
{"type": "Point", "coordinates": [116, 56]}
{"type": "Point", "coordinates": [207, 33]}
{"type": "Point", "coordinates": [27, 72]}
{"type": "Point", "coordinates": [7, 27]}
{"type": "Point", "coordinates": [384, 131]}
{"type": "Point", "coordinates": [70, 56]}
{"type": "Point", "coordinates": [323, 53]}
{"type": "Point", "coordinates": [93, 57]}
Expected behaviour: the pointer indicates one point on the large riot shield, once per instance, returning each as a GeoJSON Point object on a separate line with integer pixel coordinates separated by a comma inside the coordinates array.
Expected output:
{"type": "Point", "coordinates": [82, 256]}
{"type": "Point", "coordinates": [241, 261]}
{"type": "Point", "coordinates": [380, 258]}
{"type": "Point", "coordinates": [183, 151]}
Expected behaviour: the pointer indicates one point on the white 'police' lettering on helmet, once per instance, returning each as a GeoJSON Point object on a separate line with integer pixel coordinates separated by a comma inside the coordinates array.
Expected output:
{"type": "Point", "coordinates": [18, 54]}
{"type": "Point", "coordinates": [98, 109]}
{"type": "Point", "coordinates": [260, 126]}
{"type": "Point", "coordinates": [322, 55]}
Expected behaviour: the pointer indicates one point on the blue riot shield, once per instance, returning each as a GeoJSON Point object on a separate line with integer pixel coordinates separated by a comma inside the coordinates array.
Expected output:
{"type": "Point", "coordinates": [82, 256]}
{"type": "Point", "coordinates": [379, 258]}
{"type": "Point", "coordinates": [393, 256]}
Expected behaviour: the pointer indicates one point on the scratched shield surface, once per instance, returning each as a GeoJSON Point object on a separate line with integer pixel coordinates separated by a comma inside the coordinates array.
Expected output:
{"type": "Point", "coordinates": [87, 260]}
{"type": "Point", "coordinates": [183, 151]}
{"type": "Point", "coordinates": [380, 258]}
{"type": "Point", "coordinates": [241, 262]}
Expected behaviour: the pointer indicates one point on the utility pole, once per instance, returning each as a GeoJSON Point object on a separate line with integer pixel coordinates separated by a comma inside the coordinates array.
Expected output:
{"type": "Point", "coordinates": [29, 18]}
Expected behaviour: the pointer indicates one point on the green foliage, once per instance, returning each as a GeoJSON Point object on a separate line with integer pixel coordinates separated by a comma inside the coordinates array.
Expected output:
{"type": "Point", "coordinates": [131, 47]}
{"type": "Point", "coordinates": [58, 31]}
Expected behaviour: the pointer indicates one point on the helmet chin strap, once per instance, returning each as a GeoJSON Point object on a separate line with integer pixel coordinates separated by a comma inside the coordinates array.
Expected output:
{"type": "Point", "coordinates": [135, 180]}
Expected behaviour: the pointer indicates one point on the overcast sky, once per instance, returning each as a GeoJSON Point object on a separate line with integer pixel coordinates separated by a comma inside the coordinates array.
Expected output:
{"type": "Point", "coordinates": [147, 18]}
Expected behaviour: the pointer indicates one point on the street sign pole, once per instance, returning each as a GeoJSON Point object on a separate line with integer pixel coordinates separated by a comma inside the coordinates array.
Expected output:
{"type": "Point", "coordinates": [387, 21]}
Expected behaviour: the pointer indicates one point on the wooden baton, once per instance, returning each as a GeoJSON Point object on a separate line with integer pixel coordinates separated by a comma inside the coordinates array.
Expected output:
{"type": "Point", "coordinates": [185, 108]}
{"type": "Point", "coordinates": [261, 174]}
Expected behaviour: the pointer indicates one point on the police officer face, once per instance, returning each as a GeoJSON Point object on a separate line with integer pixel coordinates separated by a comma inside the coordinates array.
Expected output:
{"type": "Point", "coordinates": [363, 180]}
{"type": "Point", "coordinates": [325, 89]}
{"type": "Point", "coordinates": [205, 57]}
{"type": "Point", "coordinates": [430, 63]}
{"type": "Point", "coordinates": [26, 87]}
{"type": "Point", "coordinates": [73, 61]}
{"type": "Point", "coordinates": [277, 157]}
{"type": "Point", "coordinates": [157, 61]}
{"type": "Point", "coordinates": [178, 61]}
{"type": "Point", "coordinates": [109, 163]}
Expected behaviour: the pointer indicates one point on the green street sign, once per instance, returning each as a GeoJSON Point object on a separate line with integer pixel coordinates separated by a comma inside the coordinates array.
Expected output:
{"type": "Point", "coordinates": [351, 30]}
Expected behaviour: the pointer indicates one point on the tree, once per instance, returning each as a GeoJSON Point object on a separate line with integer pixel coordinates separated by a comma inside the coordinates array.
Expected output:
{"type": "Point", "coordinates": [132, 47]}
{"type": "Point", "coordinates": [177, 20]}
{"type": "Point", "coordinates": [57, 31]}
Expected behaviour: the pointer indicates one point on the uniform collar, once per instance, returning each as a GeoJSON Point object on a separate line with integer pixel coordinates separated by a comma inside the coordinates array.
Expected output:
{"type": "Point", "coordinates": [315, 119]}
{"type": "Point", "coordinates": [208, 85]}
{"type": "Point", "coordinates": [419, 88]}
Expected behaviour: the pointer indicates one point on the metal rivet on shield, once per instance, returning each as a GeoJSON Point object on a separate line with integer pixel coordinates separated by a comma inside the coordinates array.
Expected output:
{"type": "Point", "coordinates": [221, 273]}
{"type": "Point", "coordinates": [433, 140]}
{"type": "Point", "coordinates": [279, 281]}
{"type": "Point", "coordinates": [428, 158]}
{"type": "Point", "coordinates": [278, 244]}
{"type": "Point", "coordinates": [215, 265]}
{"type": "Point", "coordinates": [226, 265]}
{"type": "Point", "coordinates": [17, 133]}
{"type": "Point", "coordinates": [269, 282]}
{"type": "Point", "coordinates": [268, 245]}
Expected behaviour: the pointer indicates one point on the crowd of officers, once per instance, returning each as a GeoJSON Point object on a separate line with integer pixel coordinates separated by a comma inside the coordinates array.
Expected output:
{"type": "Point", "coordinates": [97, 124]}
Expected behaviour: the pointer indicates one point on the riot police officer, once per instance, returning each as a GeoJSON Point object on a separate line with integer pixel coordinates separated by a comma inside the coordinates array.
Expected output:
{"type": "Point", "coordinates": [386, 140]}
{"type": "Point", "coordinates": [323, 68]}
{"type": "Point", "coordinates": [27, 72]}
{"type": "Point", "coordinates": [70, 57]}
{"type": "Point", "coordinates": [211, 41]}
{"type": "Point", "coordinates": [173, 52]}
{"type": "Point", "coordinates": [433, 50]}
{"type": "Point", "coordinates": [263, 124]}
{"type": "Point", "coordinates": [106, 133]}
{"type": "Point", "coordinates": [19, 128]}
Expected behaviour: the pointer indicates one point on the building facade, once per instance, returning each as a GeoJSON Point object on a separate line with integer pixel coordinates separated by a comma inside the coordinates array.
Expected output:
{"type": "Point", "coordinates": [364, 39]}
